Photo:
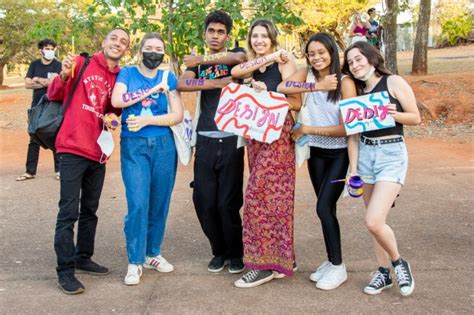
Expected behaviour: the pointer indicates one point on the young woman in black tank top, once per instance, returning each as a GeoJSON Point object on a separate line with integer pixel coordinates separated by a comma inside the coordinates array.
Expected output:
{"type": "Point", "coordinates": [269, 197]}
{"type": "Point", "coordinates": [381, 157]}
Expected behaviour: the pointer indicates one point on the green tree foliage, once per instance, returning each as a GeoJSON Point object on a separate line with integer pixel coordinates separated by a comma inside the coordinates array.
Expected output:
{"type": "Point", "coordinates": [181, 22]}
{"type": "Point", "coordinates": [24, 23]}
{"type": "Point", "coordinates": [333, 17]}
{"type": "Point", "coordinates": [456, 21]}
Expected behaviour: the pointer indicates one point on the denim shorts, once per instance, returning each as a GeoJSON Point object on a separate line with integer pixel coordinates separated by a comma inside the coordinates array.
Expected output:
{"type": "Point", "coordinates": [383, 162]}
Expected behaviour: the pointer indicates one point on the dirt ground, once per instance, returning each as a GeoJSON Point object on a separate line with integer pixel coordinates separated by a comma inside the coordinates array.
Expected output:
{"type": "Point", "coordinates": [433, 223]}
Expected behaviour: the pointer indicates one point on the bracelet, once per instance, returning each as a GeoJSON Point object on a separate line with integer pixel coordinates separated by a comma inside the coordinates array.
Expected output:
{"type": "Point", "coordinates": [167, 122]}
{"type": "Point", "coordinates": [214, 56]}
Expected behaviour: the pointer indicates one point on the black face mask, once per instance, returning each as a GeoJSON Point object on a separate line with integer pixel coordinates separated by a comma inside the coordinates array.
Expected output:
{"type": "Point", "coordinates": [152, 60]}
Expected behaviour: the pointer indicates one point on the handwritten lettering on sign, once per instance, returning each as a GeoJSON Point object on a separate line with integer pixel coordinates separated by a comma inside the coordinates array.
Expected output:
{"type": "Point", "coordinates": [253, 115]}
{"type": "Point", "coordinates": [367, 112]}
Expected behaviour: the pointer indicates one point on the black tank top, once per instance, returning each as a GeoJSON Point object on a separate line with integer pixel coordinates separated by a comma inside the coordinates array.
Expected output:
{"type": "Point", "coordinates": [398, 129]}
{"type": "Point", "coordinates": [271, 77]}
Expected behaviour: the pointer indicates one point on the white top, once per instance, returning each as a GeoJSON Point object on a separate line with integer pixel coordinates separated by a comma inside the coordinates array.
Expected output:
{"type": "Point", "coordinates": [324, 113]}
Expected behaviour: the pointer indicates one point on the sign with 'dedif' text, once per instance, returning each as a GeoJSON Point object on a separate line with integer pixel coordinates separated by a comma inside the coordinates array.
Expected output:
{"type": "Point", "coordinates": [253, 115]}
{"type": "Point", "coordinates": [367, 112]}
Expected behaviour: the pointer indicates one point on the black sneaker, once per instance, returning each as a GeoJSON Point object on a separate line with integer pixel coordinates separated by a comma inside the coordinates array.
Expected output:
{"type": "Point", "coordinates": [69, 284]}
{"type": "Point", "coordinates": [381, 280]}
{"type": "Point", "coordinates": [236, 265]}
{"type": "Point", "coordinates": [217, 264]}
{"type": "Point", "coordinates": [405, 280]}
{"type": "Point", "coordinates": [254, 278]}
{"type": "Point", "coordinates": [91, 267]}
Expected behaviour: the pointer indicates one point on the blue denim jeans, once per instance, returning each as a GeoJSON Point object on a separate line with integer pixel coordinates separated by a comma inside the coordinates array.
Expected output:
{"type": "Point", "coordinates": [148, 172]}
{"type": "Point", "coordinates": [383, 162]}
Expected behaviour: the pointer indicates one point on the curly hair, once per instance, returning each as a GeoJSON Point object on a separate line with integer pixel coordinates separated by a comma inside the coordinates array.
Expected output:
{"type": "Point", "coordinates": [46, 42]}
{"type": "Point", "coordinates": [221, 17]}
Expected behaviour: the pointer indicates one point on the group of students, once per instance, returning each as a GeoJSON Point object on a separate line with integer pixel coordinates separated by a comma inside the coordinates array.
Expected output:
{"type": "Point", "coordinates": [368, 30]}
{"type": "Point", "coordinates": [262, 241]}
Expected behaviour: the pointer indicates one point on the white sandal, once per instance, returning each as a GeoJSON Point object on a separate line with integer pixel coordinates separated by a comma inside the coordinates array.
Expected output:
{"type": "Point", "coordinates": [25, 176]}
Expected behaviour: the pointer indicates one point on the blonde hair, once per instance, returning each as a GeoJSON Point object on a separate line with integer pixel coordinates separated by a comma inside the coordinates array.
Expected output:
{"type": "Point", "coordinates": [151, 35]}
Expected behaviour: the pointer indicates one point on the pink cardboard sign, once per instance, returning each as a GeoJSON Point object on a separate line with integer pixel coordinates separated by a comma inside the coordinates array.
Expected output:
{"type": "Point", "coordinates": [367, 112]}
{"type": "Point", "coordinates": [250, 114]}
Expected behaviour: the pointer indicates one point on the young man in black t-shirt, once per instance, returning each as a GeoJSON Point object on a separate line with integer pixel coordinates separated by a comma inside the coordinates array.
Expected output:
{"type": "Point", "coordinates": [39, 75]}
{"type": "Point", "coordinates": [218, 163]}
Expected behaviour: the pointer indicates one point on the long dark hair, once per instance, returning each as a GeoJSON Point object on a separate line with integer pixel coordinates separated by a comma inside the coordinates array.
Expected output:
{"type": "Point", "coordinates": [334, 68]}
{"type": "Point", "coordinates": [374, 58]}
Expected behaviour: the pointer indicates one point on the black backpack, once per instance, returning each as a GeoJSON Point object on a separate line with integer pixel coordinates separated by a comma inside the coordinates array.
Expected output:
{"type": "Point", "coordinates": [46, 117]}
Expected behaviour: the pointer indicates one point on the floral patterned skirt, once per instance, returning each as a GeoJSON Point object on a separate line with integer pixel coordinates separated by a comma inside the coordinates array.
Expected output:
{"type": "Point", "coordinates": [269, 204]}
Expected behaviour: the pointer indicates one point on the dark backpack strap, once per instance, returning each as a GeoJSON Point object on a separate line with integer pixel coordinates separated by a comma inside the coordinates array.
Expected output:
{"type": "Point", "coordinates": [84, 66]}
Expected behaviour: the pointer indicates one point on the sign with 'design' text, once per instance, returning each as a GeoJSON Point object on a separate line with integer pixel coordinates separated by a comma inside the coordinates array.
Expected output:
{"type": "Point", "coordinates": [253, 115]}
{"type": "Point", "coordinates": [367, 112]}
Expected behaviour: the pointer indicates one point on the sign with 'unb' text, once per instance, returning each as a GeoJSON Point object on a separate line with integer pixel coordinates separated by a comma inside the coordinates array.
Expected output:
{"type": "Point", "coordinates": [253, 115]}
{"type": "Point", "coordinates": [367, 112]}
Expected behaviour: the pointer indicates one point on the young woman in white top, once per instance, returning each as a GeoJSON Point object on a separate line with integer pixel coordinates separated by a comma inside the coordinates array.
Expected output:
{"type": "Point", "coordinates": [327, 140]}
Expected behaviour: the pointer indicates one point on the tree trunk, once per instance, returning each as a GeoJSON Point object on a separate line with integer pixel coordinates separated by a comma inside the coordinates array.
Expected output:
{"type": "Point", "coordinates": [420, 55]}
{"type": "Point", "coordinates": [390, 35]}
{"type": "Point", "coordinates": [2, 65]}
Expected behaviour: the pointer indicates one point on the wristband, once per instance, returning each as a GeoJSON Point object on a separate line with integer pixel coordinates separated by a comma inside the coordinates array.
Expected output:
{"type": "Point", "coordinates": [214, 56]}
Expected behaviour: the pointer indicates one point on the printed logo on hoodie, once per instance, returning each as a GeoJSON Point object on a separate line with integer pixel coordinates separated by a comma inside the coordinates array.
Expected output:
{"type": "Point", "coordinates": [98, 91]}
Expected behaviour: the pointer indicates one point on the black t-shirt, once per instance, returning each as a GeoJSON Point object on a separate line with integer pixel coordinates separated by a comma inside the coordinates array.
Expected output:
{"type": "Point", "coordinates": [40, 70]}
{"type": "Point", "coordinates": [210, 98]}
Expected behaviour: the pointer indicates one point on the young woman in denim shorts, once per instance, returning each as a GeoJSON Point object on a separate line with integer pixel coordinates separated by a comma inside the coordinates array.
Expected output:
{"type": "Point", "coordinates": [380, 156]}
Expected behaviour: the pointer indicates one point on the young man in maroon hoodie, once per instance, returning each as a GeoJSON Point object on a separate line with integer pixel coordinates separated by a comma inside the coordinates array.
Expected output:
{"type": "Point", "coordinates": [81, 158]}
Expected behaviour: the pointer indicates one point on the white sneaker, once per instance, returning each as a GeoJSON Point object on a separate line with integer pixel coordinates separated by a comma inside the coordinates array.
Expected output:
{"type": "Point", "coordinates": [134, 273]}
{"type": "Point", "coordinates": [319, 273]}
{"type": "Point", "coordinates": [333, 277]}
{"type": "Point", "coordinates": [159, 263]}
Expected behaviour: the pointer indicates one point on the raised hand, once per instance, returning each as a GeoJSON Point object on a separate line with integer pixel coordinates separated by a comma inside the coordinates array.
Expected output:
{"type": "Point", "coordinates": [259, 86]}
{"type": "Point", "coordinates": [161, 87]}
{"type": "Point", "coordinates": [282, 56]}
{"type": "Point", "coordinates": [66, 66]}
{"type": "Point", "coordinates": [329, 83]}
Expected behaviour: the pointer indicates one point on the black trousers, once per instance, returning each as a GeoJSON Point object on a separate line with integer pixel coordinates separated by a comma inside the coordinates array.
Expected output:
{"type": "Point", "coordinates": [32, 158]}
{"type": "Point", "coordinates": [81, 185]}
{"type": "Point", "coordinates": [324, 166]}
{"type": "Point", "coordinates": [217, 194]}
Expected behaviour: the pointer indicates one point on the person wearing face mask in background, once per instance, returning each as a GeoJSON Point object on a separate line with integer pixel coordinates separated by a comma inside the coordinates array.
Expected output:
{"type": "Point", "coordinates": [83, 147]}
{"type": "Point", "coordinates": [39, 75]}
{"type": "Point", "coordinates": [148, 154]}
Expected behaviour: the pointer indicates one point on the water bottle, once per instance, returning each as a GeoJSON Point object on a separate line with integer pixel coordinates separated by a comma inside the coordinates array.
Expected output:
{"type": "Point", "coordinates": [355, 186]}
{"type": "Point", "coordinates": [303, 139]}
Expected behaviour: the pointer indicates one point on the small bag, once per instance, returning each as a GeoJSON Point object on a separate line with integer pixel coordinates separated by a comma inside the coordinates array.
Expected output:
{"type": "Point", "coordinates": [46, 117]}
{"type": "Point", "coordinates": [302, 152]}
{"type": "Point", "coordinates": [182, 132]}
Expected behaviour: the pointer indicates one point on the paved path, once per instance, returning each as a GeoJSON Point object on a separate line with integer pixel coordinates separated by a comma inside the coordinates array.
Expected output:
{"type": "Point", "coordinates": [432, 220]}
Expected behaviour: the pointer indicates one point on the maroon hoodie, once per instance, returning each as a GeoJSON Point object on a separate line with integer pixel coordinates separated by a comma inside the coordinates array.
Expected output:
{"type": "Point", "coordinates": [83, 121]}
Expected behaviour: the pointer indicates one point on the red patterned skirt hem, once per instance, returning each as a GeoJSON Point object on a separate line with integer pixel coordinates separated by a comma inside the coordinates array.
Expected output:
{"type": "Point", "coordinates": [277, 268]}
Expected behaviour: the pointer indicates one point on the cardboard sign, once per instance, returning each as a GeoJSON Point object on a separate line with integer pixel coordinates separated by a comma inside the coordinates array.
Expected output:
{"type": "Point", "coordinates": [253, 115]}
{"type": "Point", "coordinates": [367, 112]}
